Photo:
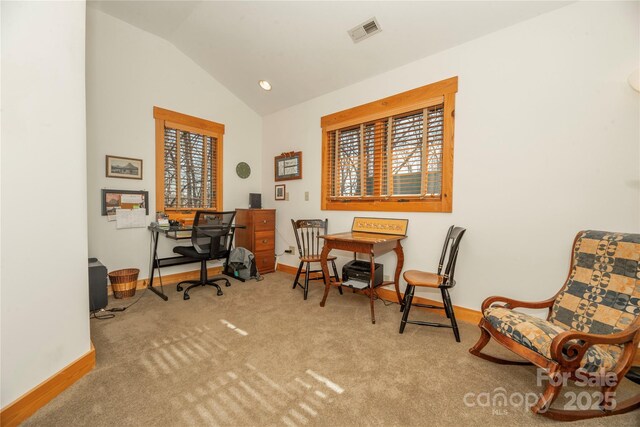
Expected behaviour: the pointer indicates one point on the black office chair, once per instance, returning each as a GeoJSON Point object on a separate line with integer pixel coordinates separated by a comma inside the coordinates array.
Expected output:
{"type": "Point", "coordinates": [435, 280]}
{"type": "Point", "coordinates": [308, 233]}
{"type": "Point", "coordinates": [211, 237]}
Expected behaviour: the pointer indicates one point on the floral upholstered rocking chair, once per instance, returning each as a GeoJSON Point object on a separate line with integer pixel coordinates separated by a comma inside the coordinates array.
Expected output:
{"type": "Point", "coordinates": [592, 328]}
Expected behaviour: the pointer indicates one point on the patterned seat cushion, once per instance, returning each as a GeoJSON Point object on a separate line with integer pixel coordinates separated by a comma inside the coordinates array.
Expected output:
{"type": "Point", "coordinates": [602, 293]}
{"type": "Point", "coordinates": [536, 334]}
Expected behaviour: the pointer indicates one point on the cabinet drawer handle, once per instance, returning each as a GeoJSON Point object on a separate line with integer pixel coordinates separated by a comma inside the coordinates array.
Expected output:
{"type": "Point", "coordinates": [265, 241]}
{"type": "Point", "coordinates": [264, 221]}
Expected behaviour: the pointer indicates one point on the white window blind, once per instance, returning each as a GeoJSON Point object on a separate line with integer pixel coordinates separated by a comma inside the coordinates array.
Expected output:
{"type": "Point", "coordinates": [190, 161]}
{"type": "Point", "coordinates": [397, 156]}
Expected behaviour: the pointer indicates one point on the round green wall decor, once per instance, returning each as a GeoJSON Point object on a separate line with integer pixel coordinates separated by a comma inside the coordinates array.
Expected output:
{"type": "Point", "coordinates": [243, 170]}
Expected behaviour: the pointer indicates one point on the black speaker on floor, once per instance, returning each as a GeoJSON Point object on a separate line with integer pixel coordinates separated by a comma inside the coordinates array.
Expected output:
{"type": "Point", "coordinates": [97, 285]}
{"type": "Point", "coordinates": [255, 201]}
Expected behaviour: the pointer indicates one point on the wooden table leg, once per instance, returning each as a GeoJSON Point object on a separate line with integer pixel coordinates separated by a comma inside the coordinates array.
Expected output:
{"type": "Point", "coordinates": [371, 278]}
{"type": "Point", "coordinates": [399, 264]}
{"type": "Point", "coordinates": [325, 271]}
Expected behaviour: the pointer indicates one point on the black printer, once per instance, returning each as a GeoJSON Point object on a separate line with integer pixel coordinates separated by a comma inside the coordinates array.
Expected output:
{"type": "Point", "coordinates": [361, 271]}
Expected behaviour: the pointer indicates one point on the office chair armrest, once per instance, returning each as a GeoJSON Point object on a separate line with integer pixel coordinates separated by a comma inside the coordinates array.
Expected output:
{"type": "Point", "coordinates": [212, 230]}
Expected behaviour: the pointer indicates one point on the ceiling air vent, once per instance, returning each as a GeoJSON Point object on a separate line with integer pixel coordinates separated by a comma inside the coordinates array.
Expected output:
{"type": "Point", "coordinates": [364, 30]}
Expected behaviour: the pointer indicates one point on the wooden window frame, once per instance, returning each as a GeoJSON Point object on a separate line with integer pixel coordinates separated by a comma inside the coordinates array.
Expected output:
{"type": "Point", "coordinates": [442, 92]}
{"type": "Point", "coordinates": [171, 119]}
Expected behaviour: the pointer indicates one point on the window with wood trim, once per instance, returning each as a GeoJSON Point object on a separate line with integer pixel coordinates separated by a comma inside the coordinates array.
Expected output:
{"type": "Point", "coordinates": [188, 164]}
{"type": "Point", "coordinates": [395, 154]}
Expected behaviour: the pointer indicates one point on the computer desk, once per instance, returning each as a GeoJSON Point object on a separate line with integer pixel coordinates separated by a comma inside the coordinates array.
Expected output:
{"type": "Point", "coordinates": [178, 233]}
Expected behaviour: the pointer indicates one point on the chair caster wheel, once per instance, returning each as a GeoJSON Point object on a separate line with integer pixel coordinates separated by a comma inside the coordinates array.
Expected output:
{"type": "Point", "coordinates": [227, 284]}
{"type": "Point", "coordinates": [179, 288]}
{"type": "Point", "coordinates": [219, 293]}
{"type": "Point", "coordinates": [186, 297]}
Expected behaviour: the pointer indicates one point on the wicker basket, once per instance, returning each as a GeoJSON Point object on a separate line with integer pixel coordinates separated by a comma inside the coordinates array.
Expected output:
{"type": "Point", "coordinates": [123, 282]}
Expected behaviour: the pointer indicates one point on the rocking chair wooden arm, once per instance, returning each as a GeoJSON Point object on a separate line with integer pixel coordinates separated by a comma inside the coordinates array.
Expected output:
{"type": "Point", "coordinates": [568, 348]}
{"type": "Point", "coordinates": [512, 303]}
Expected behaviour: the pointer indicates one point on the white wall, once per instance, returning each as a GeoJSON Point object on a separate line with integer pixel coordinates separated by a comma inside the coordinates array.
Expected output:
{"type": "Point", "coordinates": [547, 142]}
{"type": "Point", "coordinates": [128, 72]}
{"type": "Point", "coordinates": [43, 283]}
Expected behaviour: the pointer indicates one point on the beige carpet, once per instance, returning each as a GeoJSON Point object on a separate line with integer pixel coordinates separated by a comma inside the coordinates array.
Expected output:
{"type": "Point", "coordinates": [260, 355]}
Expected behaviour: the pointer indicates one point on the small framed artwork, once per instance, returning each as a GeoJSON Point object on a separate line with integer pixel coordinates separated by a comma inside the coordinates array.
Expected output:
{"type": "Point", "coordinates": [123, 199]}
{"type": "Point", "coordinates": [281, 192]}
{"type": "Point", "coordinates": [124, 167]}
{"type": "Point", "coordinates": [288, 166]}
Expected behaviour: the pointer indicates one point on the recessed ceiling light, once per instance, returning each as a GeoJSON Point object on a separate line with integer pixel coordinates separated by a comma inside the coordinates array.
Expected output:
{"type": "Point", "coordinates": [265, 84]}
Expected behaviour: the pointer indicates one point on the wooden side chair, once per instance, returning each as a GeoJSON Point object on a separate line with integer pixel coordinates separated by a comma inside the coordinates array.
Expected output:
{"type": "Point", "coordinates": [592, 327]}
{"type": "Point", "coordinates": [308, 232]}
{"type": "Point", "coordinates": [443, 281]}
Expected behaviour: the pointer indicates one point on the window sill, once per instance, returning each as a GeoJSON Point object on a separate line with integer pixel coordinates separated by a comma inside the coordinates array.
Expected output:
{"type": "Point", "coordinates": [410, 205]}
{"type": "Point", "coordinates": [185, 214]}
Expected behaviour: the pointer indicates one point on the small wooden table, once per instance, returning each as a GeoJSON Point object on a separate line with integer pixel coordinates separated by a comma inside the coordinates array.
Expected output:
{"type": "Point", "coordinates": [373, 244]}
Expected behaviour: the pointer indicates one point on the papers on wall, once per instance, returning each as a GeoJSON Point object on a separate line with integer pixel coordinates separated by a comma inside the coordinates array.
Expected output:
{"type": "Point", "coordinates": [130, 218]}
{"type": "Point", "coordinates": [133, 199]}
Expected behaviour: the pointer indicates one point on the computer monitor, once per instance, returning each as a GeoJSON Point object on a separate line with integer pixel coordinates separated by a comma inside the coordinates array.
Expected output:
{"type": "Point", "coordinates": [255, 201]}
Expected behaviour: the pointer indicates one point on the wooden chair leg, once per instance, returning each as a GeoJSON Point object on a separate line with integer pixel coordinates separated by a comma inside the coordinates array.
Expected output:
{"type": "Point", "coordinates": [306, 280]}
{"type": "Point", "coordinates": [608, 396]}
{"type": "Point", "coordinates": [449, 308]}
{"type": "Point", "coordinates": [295, 282]}
{"type": "Point", "coordinates": [443, 298]}
{"type": "Point", "coordinates": [550, 394]}
{"type": "Point", "coordinates": [482, 342]}
{"type": "Point", "coordinates": [485, 336]}
{"type": "Point", "coordinates": [408, 299]}
{"type": "Point", "coordinates": [335, 272]}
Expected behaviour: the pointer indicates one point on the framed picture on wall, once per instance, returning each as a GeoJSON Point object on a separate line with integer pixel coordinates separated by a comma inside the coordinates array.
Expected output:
{"type": "Point", "coordinates": [123, 167]}
{"type": "Point", "coordinates": [124, 199]}
{"type": "Point", "coordinates": [288, 166]}
{"type": "Point", "coordinates": [281, 192]}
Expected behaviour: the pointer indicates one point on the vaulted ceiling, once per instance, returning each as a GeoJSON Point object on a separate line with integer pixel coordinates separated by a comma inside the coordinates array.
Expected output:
{"type": "Point", "coordinates": [303, 48]}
